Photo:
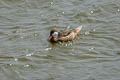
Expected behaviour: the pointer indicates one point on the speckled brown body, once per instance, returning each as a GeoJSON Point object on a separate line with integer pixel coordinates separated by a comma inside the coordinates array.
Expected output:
{"type": "Point", "coordinates": [65, 35]}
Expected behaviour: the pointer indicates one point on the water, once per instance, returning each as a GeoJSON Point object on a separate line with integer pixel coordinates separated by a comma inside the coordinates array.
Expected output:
{"type": "Point", "coordinates": [25, 53]}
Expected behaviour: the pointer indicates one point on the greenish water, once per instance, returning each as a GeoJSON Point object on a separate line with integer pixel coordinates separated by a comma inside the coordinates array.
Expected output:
{"type": "Point", "coordinates": [25, 53]}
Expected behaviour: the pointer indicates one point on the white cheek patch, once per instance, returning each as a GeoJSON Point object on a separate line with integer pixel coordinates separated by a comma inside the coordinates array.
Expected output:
{"type": "Point", "coordinates": [55, 34]}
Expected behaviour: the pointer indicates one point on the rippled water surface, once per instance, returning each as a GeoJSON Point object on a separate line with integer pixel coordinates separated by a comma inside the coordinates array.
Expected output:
{"type": "Point", "coordinates": [25, 53]}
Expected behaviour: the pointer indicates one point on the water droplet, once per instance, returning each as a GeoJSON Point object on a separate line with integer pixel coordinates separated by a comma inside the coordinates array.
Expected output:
{"type": "Point", "coordinates": [17, 31]}
{"type": "Point", "coordinates": [70, 44]}
{"type": "Point", "coordinates": [68, 27]}
{"type": "Point", "coordinates": [94, 30]}
{"type": "Point", "coordinates": [90, 49]}
{"type": "Point", "coordinates": [81, 26]}
{"type": "Point", "coordinates": [58, 15]}
{"type": "Point", "coordinates": [63, 12]}
{"type": "Point", "coordinates": [8, 34]}
{"type": "Point", "coordinates": [42, 15]}
{"type": "Point", "coordinates": [16, 59]}
{"type": "Point", "coordinates": [72, 53]}
{"type": "Point", "coordinates": [29, 55]}
{"type": "Point", "coordinates": [10, 64]}
{"type": "Point", "coordinates": [118, 10]}
{"type": "Point", "coordinates": [86, 33]}
{"type": "Point", "coordinates": [51, 3]}
{"type": "Point", "coordinates": [66, 45]}
{"type": "Point", "coordinates": [21, 37]}
{"type": "Point", "coordinates": [26, 65]}
{"type": "Point", "coordinates": [91, 12]}
{"type": "Point", "coordinates": [48, 49]}
{"type": "Point", "coordinates": [35, 34]}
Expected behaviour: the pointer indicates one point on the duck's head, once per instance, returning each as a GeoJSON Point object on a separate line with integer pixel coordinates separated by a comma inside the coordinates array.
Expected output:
{"type": "Point", "coordinates": [53, 35]}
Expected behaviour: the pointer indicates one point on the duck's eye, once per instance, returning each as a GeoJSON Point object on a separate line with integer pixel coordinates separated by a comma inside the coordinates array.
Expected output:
{"type": "Point", "coordinates": [55, 34]}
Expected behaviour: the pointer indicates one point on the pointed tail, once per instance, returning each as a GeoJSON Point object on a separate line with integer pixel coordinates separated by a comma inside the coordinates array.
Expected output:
{"type": "Point", "coordinates": [77, 29]}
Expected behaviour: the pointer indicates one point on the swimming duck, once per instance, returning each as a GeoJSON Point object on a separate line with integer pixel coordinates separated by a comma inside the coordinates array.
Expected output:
{"type": "Point", "coordinates": [64, 35]}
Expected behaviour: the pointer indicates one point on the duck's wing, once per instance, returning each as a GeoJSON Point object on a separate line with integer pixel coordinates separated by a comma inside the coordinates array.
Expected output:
{"type": "Point", "coordinates": [76, 31]}
{"type": "Point", "coordinates": [64, 33]}
{"type": "Point", "coordinates": [69, 37]}
{"type": "Point", "coordinates": [69, 34]}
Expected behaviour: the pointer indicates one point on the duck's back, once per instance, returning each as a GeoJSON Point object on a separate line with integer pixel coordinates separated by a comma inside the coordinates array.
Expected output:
{"type": "Point", "coordinates": [68, 35]}
{"type": "Point", "coordinates": [64, 33]}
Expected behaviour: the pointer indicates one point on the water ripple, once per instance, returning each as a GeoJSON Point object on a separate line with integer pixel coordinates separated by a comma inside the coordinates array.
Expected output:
{"type": "Point", "coordinates": [25, 51]}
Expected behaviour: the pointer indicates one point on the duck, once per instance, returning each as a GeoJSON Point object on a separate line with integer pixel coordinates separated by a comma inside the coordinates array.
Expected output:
{"type": "Point", "coordinates": [63, 35]}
